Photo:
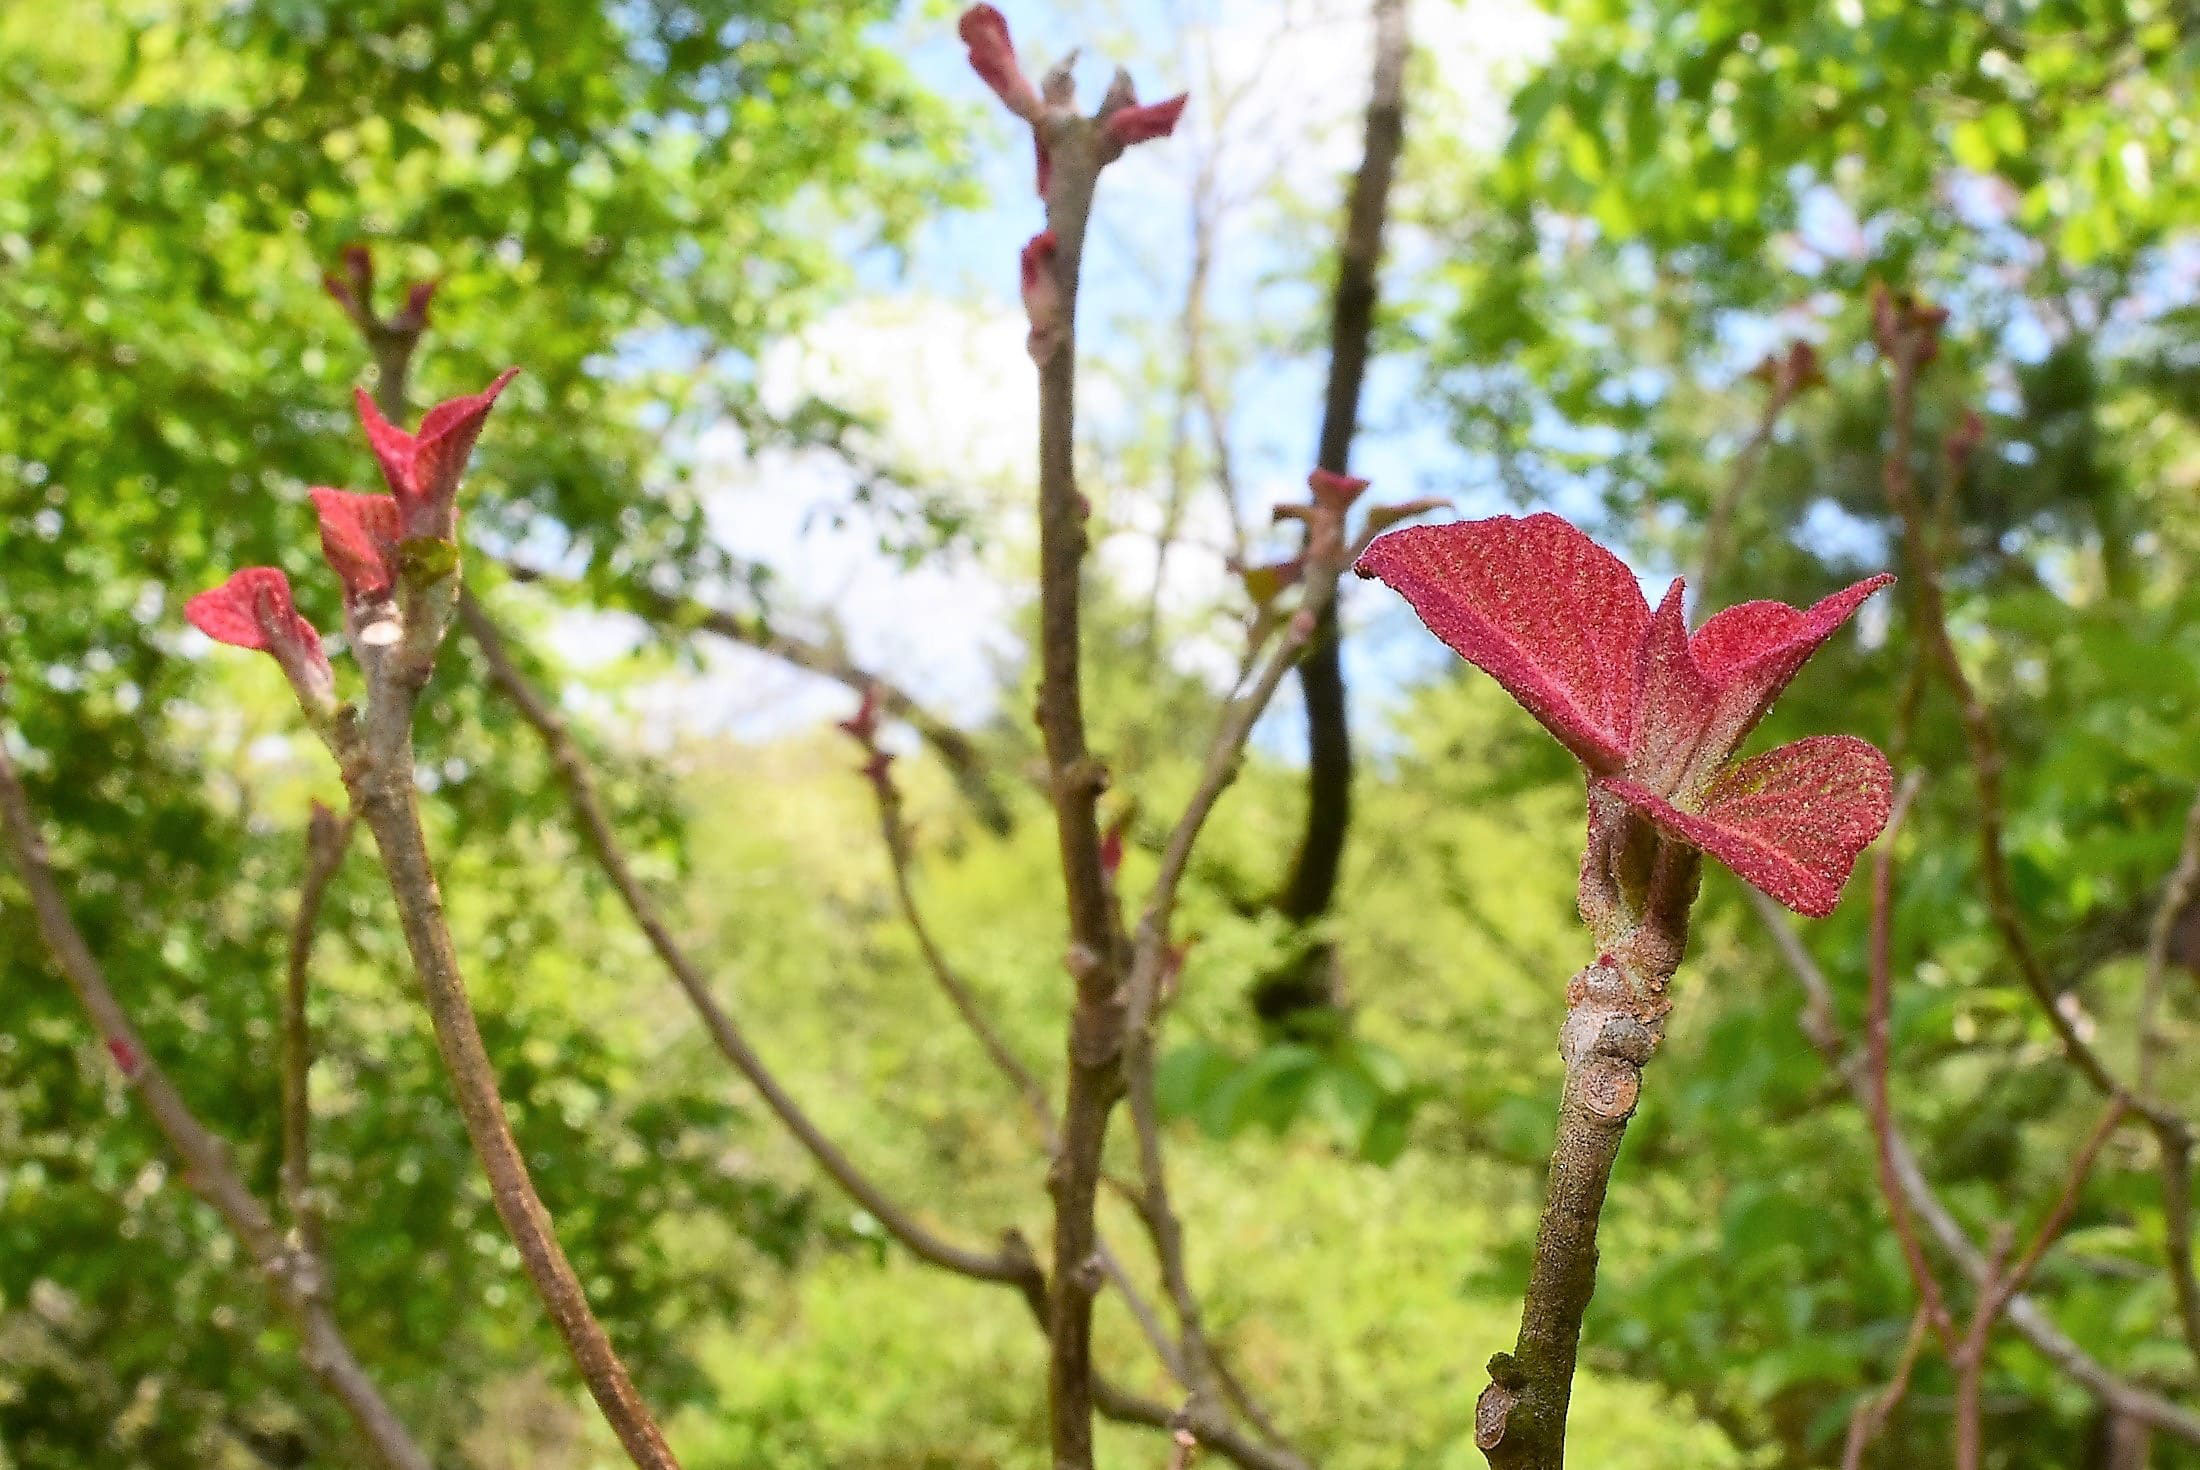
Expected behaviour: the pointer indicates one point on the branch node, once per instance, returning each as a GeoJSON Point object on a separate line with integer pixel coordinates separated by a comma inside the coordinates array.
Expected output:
{"type": "Point", "coordinates": [1492, 1411]}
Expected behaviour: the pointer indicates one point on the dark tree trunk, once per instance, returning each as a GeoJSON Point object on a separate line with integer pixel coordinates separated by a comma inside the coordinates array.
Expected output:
{"type": "Point", "coordinates": [1306, 983]}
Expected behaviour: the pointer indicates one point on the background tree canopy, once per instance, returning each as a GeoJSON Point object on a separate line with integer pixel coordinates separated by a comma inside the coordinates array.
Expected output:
{"type": "Point", "coordinates": [773, 436]}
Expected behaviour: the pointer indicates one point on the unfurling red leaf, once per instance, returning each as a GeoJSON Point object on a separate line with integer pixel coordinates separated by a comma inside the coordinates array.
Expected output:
{"type": "Point", "coordinates": [1143, 123]}
{"type": "Point", "coordinates": [1790, 821]}
{"type": "Point", "coordinates": [993, 57]}
{"type": "Point", "coordinates": [1552, 616]}
{"type": "Point", "coordinates": [1750, 652]}
{"type": "Point", "coordinates": [862, 726]}
{"type": "Point", "coordinates": [1334, 491]}
{"type": "Point", "coordinates": [253, 609]}
{"type": "Point", "coordinates": [359, 536]}
{"type": "Point", "coordinates": [1654, 713]}
{"type": "Point", "coordinates": [424, 469]}
{"type": "Point", "coordinates": [1042, 290]}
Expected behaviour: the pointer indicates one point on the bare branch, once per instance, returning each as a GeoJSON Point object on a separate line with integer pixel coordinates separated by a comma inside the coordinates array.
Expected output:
{"type": "Point", "coordinates": [1012, 1266]}
{"type": "Point", "coordinates": [894, 833]}
{"type": "Point", "coordinates": [1877, 1065]}
{"type": "Point", "coordinates": [1908, 351]}
{"type": "Point", "coordinates": [294, 1274]}
{"type": "Point", "coordinates": [1191, 385]}
{"type": "Point", "coordinates": [1871, 1416]}
{"type": "Point", "coordinates": [2176, 1160]}
{"type": "Point", "coordinates": [328, 839]}
{"type": "Point", "coordinates": [2120, 1395]}
{"type": "Point", "coordinates": [1784, 378]}
{"type": "Point", "coordinates": [1970, 1357]}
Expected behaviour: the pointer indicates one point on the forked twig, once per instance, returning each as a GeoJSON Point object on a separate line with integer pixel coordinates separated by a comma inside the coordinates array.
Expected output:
{"type": "Point", "coordinates": [328, 839]}
{"type": "Point", "coordinates": [1012, 1265]}
{"type": "Point", "coordinates": [293, 1271]}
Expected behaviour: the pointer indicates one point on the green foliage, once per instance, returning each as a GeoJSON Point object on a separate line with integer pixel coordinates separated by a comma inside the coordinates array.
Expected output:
{"type": "Point", "coordinates": [1684, 187]}
{"type": "Point", "coordinates": [634, 202]}
{"type": "Point", "coordinates": [618, 197]}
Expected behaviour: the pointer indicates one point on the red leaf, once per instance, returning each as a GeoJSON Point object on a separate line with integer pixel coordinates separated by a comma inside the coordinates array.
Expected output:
{"type": "Point", "coordinates": [446, 441]}
{"type": "Point", "coordinates": [418, 296]}
{"type": "Point", "coordinates": [993, 57]}
{"type": "Point", "coordinates": [1552, 616]}
{"type": "Point", "coordinates": [359, 535]}
{"type": "Point", "coordinates": [392, 446]}
{"type": "Point", "coordinates": [1674, 705]}
{"type": "Point", "coordinates": [252, 610]}
{"type": "Point", "coordinates": [1335, 491]}
{"type": "Point", "coordinates": [125, 1055]}
{"type": "Point", "coordinates": [1042, 291]}
{"type": "Point", "coordinates": [424, 469]}
{"type": "Point", "coordinates": [1791, 821]}
{"type": "Point", "coordinates": [1751, 652]}
{"type": "Point", "coordinates": [1143, 123]}
{"type": "Point", "coordinates": [862, 726]}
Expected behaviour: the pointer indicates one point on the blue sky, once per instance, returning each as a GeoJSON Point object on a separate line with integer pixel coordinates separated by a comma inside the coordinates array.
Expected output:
{"type": "Point", "coordinates": [931, 344]}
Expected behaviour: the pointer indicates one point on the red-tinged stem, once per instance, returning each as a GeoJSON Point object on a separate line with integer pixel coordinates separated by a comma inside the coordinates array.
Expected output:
{"type": "Point", "coordinates": [1983, 741]}
{"type": "Point", "coordinates": [1878, 1063]}
{"type": "Point", "coordinates": [384, 795]}
{"type": "Point", "coordinates": [1870, 1419]}
{"type": "Point", "coordinates": [376, 757]}
{"type": "Point", "coordinates": [1075, 780]}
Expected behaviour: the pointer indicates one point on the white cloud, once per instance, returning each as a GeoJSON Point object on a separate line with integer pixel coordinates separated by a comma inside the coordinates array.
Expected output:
{"type": "Point", "coordinates": [952, 392]}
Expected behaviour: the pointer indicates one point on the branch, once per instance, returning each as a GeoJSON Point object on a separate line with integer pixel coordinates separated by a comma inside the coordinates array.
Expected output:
{"type": "Point", "coordinates": [964, 761]}
{"type": "Point", "coordinates": [328, 839]}
{"type": "Point", "coordinates": [1909, 346]}
{"type": "Point", "coordinates": [1784, 376]}
{"type": "Point", "coordinates": [1313, 881]}
{"type": "Point", "coordinates": [1012, 1266]}
{"type": "Point", "coordinates": [293, 1273]}
{"type": "Point", "coordinates": [1970, 1357]}
{"type": "Point", "coordinates": [1877, 1064]}
{"type": "Point", "coordinates": [1823, 1032]}
{"type": "Point", "coordinates": [1191, 384]}
{"type": "Point", "coordinates": [1870, 1419]}
{"type": "Point", "coordinates": [2176, 1165]}
{"type": "Point", "coordinates": [572, 771]}
{"type": "Point", "coordinates": [894, 833]}
{"type": "Point", "coordinates": [375, 754]}
{"type": "Point", "coordinates": [1149, 959]}
{"type": "Point", "coordinates": [1520, 1419]}
{"type": "Point", "coordinates": [1211, 1430]}
{"type": "Point", "coordinates": [895, 836]}
{"type": "Point", "coordinates": [1075, 779]}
